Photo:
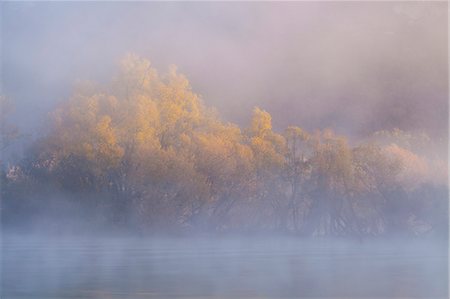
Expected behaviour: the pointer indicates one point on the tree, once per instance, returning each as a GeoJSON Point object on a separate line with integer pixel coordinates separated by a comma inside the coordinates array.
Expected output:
{"type": "Point", "coordinates": [269, 159]}
{"type": "Point", "coordinates": [297, 169]}
{"type": "Point", "coordinates": [331, 210]}
{"type": "Point", "coordinates": [146, 152]}
{"type": "Point", "coordinates": [376, 179]}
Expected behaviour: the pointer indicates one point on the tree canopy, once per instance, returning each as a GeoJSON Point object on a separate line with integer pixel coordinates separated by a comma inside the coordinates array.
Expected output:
{"type": "Point", "coordinates": [147, 153]}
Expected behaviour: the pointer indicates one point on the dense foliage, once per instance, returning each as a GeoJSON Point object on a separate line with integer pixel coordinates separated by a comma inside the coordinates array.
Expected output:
{"type": "Point", "coordinates": [145, 153]}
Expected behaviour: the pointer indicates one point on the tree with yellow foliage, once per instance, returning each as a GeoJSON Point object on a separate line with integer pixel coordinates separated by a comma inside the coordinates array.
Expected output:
{"type": "Point", "coordinates": [331, 210]}
{"type": "Point", "coordinates": [297, 171]}
{"type": "Point", "coordinates": [268, 149]}
{"type": "Point", "coordinates": [147, 150]}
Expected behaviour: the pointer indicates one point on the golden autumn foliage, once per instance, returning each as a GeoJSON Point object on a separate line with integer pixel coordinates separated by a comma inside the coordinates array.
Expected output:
{"type": "Point", "coordinates": [167, 160]}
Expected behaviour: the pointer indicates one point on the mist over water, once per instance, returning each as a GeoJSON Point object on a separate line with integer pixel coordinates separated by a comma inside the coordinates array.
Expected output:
{"type": "Point", "coordinates": [297, 150]}
{"type": "Point", "coordinates": [222, 267]}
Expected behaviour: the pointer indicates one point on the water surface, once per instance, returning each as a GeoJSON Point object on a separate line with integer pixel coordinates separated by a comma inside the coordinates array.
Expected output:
{"type": "Point", "coordinates": [271, 267]}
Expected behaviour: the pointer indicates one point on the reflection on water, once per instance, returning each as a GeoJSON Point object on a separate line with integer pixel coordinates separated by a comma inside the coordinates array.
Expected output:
{"type": "Point", "coordinates": [130, 268]}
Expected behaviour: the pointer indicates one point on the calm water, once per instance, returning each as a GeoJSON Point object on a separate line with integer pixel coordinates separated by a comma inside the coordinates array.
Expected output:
{"type": "Point", "coordinates": [129, 268]}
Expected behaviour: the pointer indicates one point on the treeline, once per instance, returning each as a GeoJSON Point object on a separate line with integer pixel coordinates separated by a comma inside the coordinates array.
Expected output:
{"type": "Point", "coordinates": [144, 153]}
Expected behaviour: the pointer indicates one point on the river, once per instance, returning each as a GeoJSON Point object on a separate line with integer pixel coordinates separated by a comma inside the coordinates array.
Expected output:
{"type": "Point", "coordinates": [227, 267]}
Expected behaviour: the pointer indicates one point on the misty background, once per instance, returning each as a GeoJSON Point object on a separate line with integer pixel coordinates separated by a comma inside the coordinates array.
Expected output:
{"type": "Point", "coordinates": [353, 67]}
{"type": "Point", "coordinates": [363, 219]}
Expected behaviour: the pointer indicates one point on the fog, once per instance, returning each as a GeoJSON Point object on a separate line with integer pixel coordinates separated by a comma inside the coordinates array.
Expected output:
{"type": "Point", "coordinates": [135, 187]}
{"type": "Point", "coordinates": [226, 267]}
{"type": "Point", "coordinates": [353, 67]}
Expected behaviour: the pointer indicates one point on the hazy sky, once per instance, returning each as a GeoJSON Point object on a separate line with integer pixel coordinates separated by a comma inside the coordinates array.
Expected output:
{"type": "Point", "coordinates": [354, 67]}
